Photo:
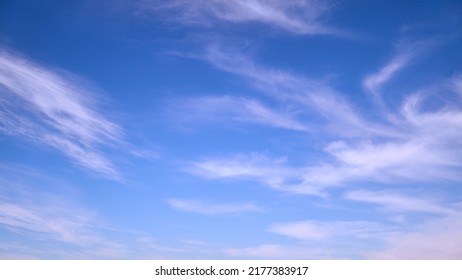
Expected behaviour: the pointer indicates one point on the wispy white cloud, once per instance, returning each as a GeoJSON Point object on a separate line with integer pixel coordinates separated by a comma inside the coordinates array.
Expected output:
{"type": "Point", "coordinates": [272, 172]}
{"type": "Point", "coordinates": [329, 230]}
{"type": "Point", "coordinates": [392, 161]}
{"type": "Point", "coordinates": [50, 218]}
{"type": "Point", "coordinates": [85, 157]}
{"type": "Point", "coordinates": [314, 99]}
{"type": "Point", "coordinates": [406, 53]}
{"type": "Point", "coordinates": [456, 84]}
{"type": "Point", "coordinates": [145, 154]}
{"type": "Point", "coordinates": [57, 224]}
{"type": "Point", "coordinates": [369, 150]}
{"type": "Point", "coordinates": [56, 109]}
{"type": "Point", "coordinates": [207, 208]}
{"type": "Point", "coordinates": [48, 215]}
{"type": "Point", "coordinates": [296, 16]}
{"type": "Point", "coordinates": [418, 139]}
{"type": "Point", "coordinates": [282, 85]}
{"type": "Point", "coordinates": [399, 202]}
{"type": "Point", "coordinates": [254, 165]}
{"type": "Point", "coordinates": [277, 251]}
{"type": "Point", "coordinates": [238, 109]}
{"type": "Point", "coordinates": [434, 239]}
{"type": "Point", "coordinates": [431, 145]}
{"type": "Point", "coordinates": [374, 82]}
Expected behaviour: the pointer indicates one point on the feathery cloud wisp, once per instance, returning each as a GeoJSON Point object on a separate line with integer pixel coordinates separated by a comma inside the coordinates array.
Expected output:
{"type": "Point", "coordinates": [240, 110]}
{"type": "Point", "coordinates": [325, 230]}
{"type": "Point", "coordinates": [50, 108]}
{"type": "Point", "coordinates": [415, 140]}
{"type": "Point", "coordinates": [397, 202]}
{"type": "Point", "coordinates": [405, 54]}
{"type": "Point", "coordinates": [272, 172]}
{"type": "Point", "coordinates": [296, 16]}
{"type": "Point", "coordinates": [375, 81]}
{"type": "Point", "coordinates": [277, 251]}
{"type": "Point", "coordinates": [211, 209]}
{"type": "Point", "coordinates": [434, 239]}
{"type": "Point", "coordinates": [49, 217]}
{"type": "Point", "coordinates": [314, 98]}
{"type": "Point", "coordinates": [456, 84]}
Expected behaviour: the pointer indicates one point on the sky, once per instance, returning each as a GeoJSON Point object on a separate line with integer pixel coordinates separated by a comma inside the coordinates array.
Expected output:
{"type": "Point", "coordinates": [230, 129]}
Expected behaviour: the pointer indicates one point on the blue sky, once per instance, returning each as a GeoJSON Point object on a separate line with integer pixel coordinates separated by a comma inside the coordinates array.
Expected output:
{"type": "Point", "coordinates": [231, 129]}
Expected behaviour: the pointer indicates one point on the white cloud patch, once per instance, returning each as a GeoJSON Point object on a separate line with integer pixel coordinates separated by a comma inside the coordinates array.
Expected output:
{"type": "Point", "coordinates": [254, 165]}
{"type": "Point", "coordinates": [456, 84]}
{"type": "Point", "coordinates": [207, 208]}
{"type": "Point", "coordinates": [54, 109]}
{"type": "Point", "coordinates": [329, 230]}
{"type": "Point", "coordinates": [42, 217]}
{"type": "Point", "coordinates": [439, 153]}
{"type": "Point", "coordinates": [296, 16]}
{"type": "Point", "coordinates": [277, 251]}
{"type": "Point", "coordinates": [417, 139]}
{"type": "Point", "coordinates": [375, 81]}
{"type": "Point", "coordinates": [272, 172]}
{"type": "Point", "coordinates": [394, 161]}
{"type": "Point", "coordinates": [399, 202]}
{"type": "Point", "coordinates": [240, 110]}
{"type": "Point", "coordinates": [434, 239]}
{"type": "Point", "coordinates": [406, 53]}
{"type": "Point", "coordinates": [314, 99]}
{"type": "Point", "coordinates": [48, 218]}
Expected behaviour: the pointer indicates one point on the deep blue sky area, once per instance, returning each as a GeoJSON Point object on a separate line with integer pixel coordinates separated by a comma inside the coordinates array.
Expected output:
{"type": "Point", "coordinates": [228, 129]}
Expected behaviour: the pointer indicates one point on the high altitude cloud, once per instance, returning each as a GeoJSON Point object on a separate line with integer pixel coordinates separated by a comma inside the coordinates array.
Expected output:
{"type": "Point", "coordinates": [434, 239]}
{"type": "Point", "coordinates": [278, 251]}
{"type": "Point", "coordinates": [206, 208]}
{"type": "Point", "coordinates": [55, 109]}
{"type": "Point", "coordinates": [405, 54]}
{"type": "Point", "coordinates": [42, 217]}
{"type": "Point", "coordinates": [327, 230]}
{"type": "Point", "coordinates": [238, 109]}
{"type": "Point", "coordinates": [48, 217]}
{"type": "Point", "coordinates": [412, 143]}
{"type": "Point", "coordinates": [297, 16]}
{"type": "Point", "coordinates": [314, 99]}
{"type": "Point", "coordinates": [434, 148]}
{"type": "Point", "coordinates": [394, 201]}
{"type": "Point", "coordinates": [457, 84]}
{"type": "Point", "coordinates": [272, 172]}
{"type": "Point", "coordinates": [392, 149]}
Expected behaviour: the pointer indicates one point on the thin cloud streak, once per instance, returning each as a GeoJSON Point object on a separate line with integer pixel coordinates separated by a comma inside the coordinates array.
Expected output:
{"type": "Point", "coordinates": [456, 84]}
{"type": "Point", "coordinates": [272, 172]}
{"type": "Point", "coordinates": [296, 16]}
{"type": "Point", "coordinates": [48, 216]}
{"type": "Point", "coordinates": [398, 202]}
{"type": "Point", "coordinates": [394, 151]}
{"type": "Point", "coordinates": [277, 251]}
{"type": "Point", "coordinates": [406, 53]}
{"type": "Point", "coordinates": [211, 209]}
{"type": "Point", "coordinates": [46, 107]}
{"type": "Point", "coordinates": [374, 82]}
{"type": "Point", "coordinates": [434, 148]}
{"type": "Point", "coordinates": [238, 109]}
{"type": "Point", "coordinates": [315, 99]}
{"type": "Point", "coordinates": [329, 230]}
